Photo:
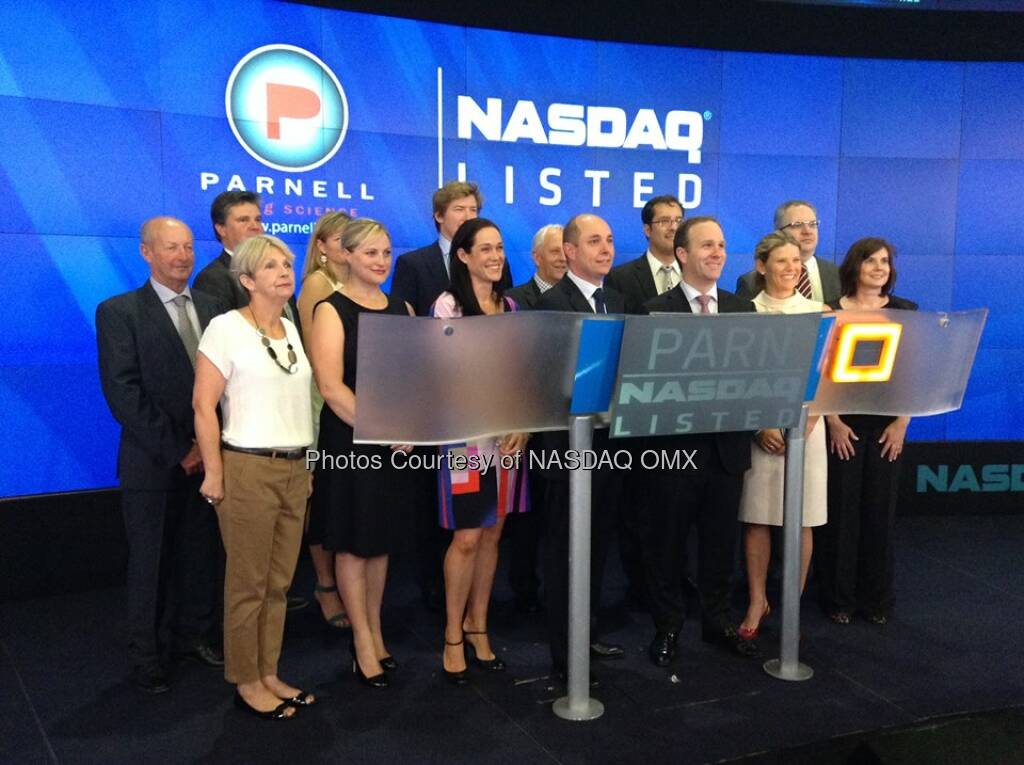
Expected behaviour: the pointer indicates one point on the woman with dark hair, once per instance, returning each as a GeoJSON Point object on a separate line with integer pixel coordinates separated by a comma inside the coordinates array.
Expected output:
{"type": "Point", "coordinates": [855, 557]}
{"type": "Point", "coordinates": [474, 503]}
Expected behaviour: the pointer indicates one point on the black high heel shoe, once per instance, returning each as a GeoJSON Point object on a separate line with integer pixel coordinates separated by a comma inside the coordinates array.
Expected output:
{"type": "Point", "coordinates": [388, 664]}
{"type": "Point", "coordinates": [377, 681]}
{"type": "Point", "coordinates": [277, 713]}
{"type": "Point", "coordinates": [492, 665]}
{"type": "Point", "coordinates": [455, 678]}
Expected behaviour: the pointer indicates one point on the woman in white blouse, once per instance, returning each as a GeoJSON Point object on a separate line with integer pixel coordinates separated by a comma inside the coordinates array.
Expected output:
{"type": "Point", "coordinates": [251, 362]}
{"type": "Point", "coordinates": [779, 268]}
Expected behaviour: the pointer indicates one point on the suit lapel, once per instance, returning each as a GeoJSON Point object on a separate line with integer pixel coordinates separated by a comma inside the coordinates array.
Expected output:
{"type": "Point", "coordinates": [644, 278]}
{"type": "Point", "coordinates": [576, 299]}
{"type": "Point", "coordinates": [156, 316]}
{"type": "Point", "coordinates": [436, 265]}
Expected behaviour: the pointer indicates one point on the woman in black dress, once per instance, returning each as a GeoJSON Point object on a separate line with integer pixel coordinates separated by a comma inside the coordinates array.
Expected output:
{"type": "Point", "coordinates": [358, 503]}
{"type": "Point", "coordinates": [854, 561]}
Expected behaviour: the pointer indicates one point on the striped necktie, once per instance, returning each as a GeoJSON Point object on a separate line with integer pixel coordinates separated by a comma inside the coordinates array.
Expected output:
{"type": "Point", "coordinates": [804, 285]}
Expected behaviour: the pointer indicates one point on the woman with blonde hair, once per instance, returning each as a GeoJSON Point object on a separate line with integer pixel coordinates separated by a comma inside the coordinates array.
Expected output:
{"type": "Point", "coordinates": [323, 274]}
{"type": "Point", "coordinates": [359, 493]}
{"type": "Point", "coordinates": [251, 363]}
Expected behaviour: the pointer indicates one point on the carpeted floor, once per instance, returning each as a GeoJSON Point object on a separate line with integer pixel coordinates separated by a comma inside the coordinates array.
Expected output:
{"type": "Point", "coordinates": [951, 649]}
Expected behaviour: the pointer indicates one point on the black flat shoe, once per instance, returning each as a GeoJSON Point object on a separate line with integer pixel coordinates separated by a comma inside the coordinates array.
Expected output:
{"type": "Point", "coordinates": [492, 665]}
{"type": "Point", "coordinates": [151, 678]}
{"type": "Point", "coordinates": [455, 678]}
{"type": "Point", "coordinates": [377, 681]}
{"type": "Point", "coordinates": [389, 664]}
{"type": "Point", "coordinates": [301, 699]}
{"type": "Point", "coordinates": [277, 713]}
{"type": "Point", "coordinates": [599, 650]}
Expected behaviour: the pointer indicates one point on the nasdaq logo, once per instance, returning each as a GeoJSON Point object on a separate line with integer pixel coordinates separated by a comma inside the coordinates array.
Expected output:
{"type": "Point", "coordinates": [955, 478]}
{"type": "Point", "coordinates": [286, 107]}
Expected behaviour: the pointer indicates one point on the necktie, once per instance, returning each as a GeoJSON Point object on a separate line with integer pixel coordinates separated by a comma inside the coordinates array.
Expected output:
{"type": "Point", "coordinates": [185, 329]}
{"type": "Point", "coordinates": [704, 300]}
{"type": "Point", "coordinates": [599, 306]}
{"type": "Point", "coordinates": [667, 276]}
{"type": "Point", "coordinates": [804, 285]}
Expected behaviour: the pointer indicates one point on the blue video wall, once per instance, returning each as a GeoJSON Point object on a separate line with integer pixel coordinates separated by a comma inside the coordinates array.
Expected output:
{"type": "Point", "coordinates": [113, 112]}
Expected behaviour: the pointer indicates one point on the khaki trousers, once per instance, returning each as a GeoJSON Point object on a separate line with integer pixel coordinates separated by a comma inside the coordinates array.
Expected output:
{"type": "Point", "coordinates": [261, 519]}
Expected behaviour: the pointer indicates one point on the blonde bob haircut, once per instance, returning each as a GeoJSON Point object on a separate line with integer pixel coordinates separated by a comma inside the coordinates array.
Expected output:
{"type": "Point", "coordinates": [359, 230]}
{"type": "Point", "coordinates": [252, 252]}
{"type": "Point", "coordinates": [330, 224]}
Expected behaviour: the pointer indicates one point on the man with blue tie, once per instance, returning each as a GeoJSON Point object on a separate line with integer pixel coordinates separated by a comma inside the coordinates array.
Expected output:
{"type": "Point", "coordinates": [589, 252]}
{"type": "Point", "coordinates": [147, 347]}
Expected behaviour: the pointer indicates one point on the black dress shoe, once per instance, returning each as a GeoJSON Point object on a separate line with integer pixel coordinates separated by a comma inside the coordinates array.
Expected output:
{"type": "Point", "coordinates": [599, 650]}
{"type": "Point", "coordinates": [207, 654]}
{"type": "Point", "coordinates": [729, 639]}
{"type": "Point", "coordinates": [663, 648]}
{"type": "Point", "coordinates": [151, 678]}
{"type": "Point", "coordinates": [295, 603]}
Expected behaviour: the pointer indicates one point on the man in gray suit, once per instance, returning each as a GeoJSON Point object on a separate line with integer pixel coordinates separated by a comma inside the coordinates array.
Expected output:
{"type": "Point", "coordinates": [820, 278]}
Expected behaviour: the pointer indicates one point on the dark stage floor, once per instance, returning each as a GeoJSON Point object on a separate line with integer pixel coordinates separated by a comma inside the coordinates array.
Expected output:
{"type": "Point", "coordinates": [953, 647]}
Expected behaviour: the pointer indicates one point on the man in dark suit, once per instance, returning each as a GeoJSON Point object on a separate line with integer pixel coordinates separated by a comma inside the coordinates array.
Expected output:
{"type": "Point", "coordinates": [421, 275]}
{"type": "Point", "coordinates": [819, 279]}
{"type": "Point", "coordinates": [147, 343]}
{"type": "Point", "coordinates": [652, 274]}
{"type": "Point", "coordinates": [707, 496]}
{"type": "Point", "coordinates": [656, 271]}
{"type": "Point", "coordinates": [549, 258]}
{"type": "Point", "coordinates": [236, 217]}
{"type": "Point", "coordinates": [589, 252]}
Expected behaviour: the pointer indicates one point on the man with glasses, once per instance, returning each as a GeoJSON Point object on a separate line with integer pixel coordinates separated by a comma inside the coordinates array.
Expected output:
{"type": "Point", "coordinates": [656, 271]}
{"type": "Point", "coordinates": [819, 279]}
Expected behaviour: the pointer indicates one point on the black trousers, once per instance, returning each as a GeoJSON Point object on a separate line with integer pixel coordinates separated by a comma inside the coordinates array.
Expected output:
{"type": "Point", "coordinates": [707, 498]}
{"type": "Point", "coordinates": [606, 489]}
{"type": "Point", "coordinates": [174, 557]}
{"type": "Point", "coordinates": [524, 531]}
{"type": "Point", "coordinates": [853, 552]}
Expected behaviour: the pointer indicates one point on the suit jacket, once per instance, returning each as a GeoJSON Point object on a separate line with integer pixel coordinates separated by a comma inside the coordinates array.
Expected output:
{"type": "Point", "coordinates": [733, 448]}
{"type": "Point", "coordinates": [147, 380]}
{"type": "Point", "coordinates": [894, 302]}
{"type": "Point", "coordinates": [633, 280]}
{"type": "Point", "coordinates": [828, 271]}
{"type": "Point", "coordinates": [566, 296]}
{"type": "Point", "coordinates": [420, 276]}
{"type": "Point", "coordinates": [526, 295]}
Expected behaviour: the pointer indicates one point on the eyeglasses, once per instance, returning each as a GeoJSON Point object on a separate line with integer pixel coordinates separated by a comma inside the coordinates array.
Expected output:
{"type": "Point", "coordinates": [811, 224]}
{"type": "Point", "coordinates": [665, 222]}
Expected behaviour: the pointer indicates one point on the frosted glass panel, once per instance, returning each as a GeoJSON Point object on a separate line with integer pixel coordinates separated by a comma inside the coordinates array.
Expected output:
{"type": "Point", "coordinates": [930, 366]}
{"type": "Point", "coordinates": [434, 381]}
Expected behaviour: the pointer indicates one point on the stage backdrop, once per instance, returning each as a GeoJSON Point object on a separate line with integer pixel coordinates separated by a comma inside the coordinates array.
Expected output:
{"type": "Point", "coordinates": [111, 112]}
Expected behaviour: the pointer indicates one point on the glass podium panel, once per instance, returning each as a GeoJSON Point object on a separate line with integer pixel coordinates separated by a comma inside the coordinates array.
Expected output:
{"type": "Point", "coordinates": [898, 362]}
{"type": "Point", "coordinates": [436, 381]}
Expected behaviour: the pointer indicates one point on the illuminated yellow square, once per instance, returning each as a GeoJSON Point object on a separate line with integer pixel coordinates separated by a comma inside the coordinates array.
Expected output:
{"type": "Point", "coordinates": [843, 368]}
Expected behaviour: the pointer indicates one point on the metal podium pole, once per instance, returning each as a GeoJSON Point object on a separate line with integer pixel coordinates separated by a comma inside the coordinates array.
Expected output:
{"type": "Point", "coordinates": [788, 666]}
{"type": "Point", "coordinates": [578, 705]}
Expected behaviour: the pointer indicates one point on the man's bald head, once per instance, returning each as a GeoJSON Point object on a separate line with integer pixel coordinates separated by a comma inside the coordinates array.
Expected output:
{"type": "Point", "coordinates": [167, 247]}
{"type": "Point", "coordinates": [589, 247]}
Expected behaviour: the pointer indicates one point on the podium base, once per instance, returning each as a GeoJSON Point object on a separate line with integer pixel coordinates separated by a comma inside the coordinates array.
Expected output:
{"type": "Point", "coordinates": [800, 672]}
{"type": "Point", "coordinates": [591, 709]}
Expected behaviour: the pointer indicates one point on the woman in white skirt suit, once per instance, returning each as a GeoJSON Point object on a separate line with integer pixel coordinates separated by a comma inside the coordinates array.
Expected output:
{"type": "Point", "coordinates": [780, 271]}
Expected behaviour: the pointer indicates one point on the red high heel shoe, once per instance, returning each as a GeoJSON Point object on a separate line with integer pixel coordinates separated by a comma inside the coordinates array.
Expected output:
{"type": "Point", "coordinates": [751, 633]}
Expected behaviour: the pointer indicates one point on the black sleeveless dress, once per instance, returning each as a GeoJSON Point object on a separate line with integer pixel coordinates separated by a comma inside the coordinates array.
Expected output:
{"type": "Point", "coordinates": [359, 507]}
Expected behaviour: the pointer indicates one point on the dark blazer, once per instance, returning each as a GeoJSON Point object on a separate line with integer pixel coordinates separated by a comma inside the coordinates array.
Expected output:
{"type": "Point", "coordinates": [420, 276]}
{"type": "Point", "coordinates": [147, 379]}
{"type": "Point", "coordinates": [633, 280]}
{"type": "Point", "coordinates": [827, 270]}
{"type": "Point", "coordinates": [733, 448]}
{"type": "Point", "coordinates": [217, 281]}
{"type": "Point", "coordinates": [566, 296]}
{"type": "Point", "coordinates": [526, 295]}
